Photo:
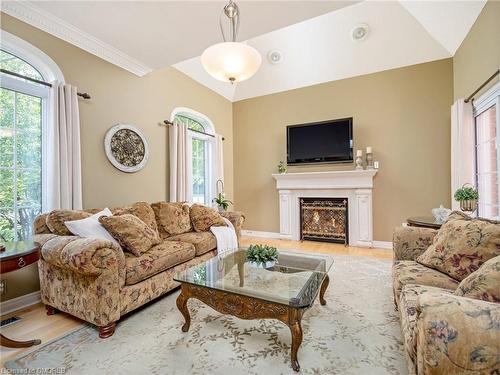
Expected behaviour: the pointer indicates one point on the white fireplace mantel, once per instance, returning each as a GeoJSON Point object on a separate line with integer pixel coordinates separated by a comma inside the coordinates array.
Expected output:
{"type": "Point", "coordinates": [355, 185]}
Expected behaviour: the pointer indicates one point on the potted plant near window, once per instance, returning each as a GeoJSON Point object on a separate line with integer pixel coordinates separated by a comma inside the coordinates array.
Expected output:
{"type": "Point", "coordinates": [220, 199]}
{"type": "Point", "coordinates": [467, 196]}
{"type": "Point", "coordinates": [262, 256]}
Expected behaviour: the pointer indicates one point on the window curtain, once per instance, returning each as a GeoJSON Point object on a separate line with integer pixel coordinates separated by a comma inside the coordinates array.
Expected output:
{"type": "Point", "coordinates": [462, 147]}
{"type": "Point", "coordinates": [63, 185]}
{"type": "Point", "coordinates": [218, 167]}
{"type": "Point", "coordinates": [180, 175]}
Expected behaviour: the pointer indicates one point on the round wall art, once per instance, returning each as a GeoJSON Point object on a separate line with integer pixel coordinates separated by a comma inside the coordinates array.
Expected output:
{"type": "Point", "coordinates": [126, 148]}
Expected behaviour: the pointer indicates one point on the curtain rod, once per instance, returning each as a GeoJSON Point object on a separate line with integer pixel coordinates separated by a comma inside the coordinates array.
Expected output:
{"type": "Point", "coordinates": [169, 123]}
{"type": "Point", "coordinates": [482, 86]}
{"type": "Point", "coordinates": [84, 95]}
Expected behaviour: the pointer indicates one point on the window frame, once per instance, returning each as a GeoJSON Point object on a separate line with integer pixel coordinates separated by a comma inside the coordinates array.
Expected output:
{"type": "Point", "coordinates": [489, 99]}
{"type": "Point", "coordinates": [209, 149]}
{"type": "Point", "coordinates": [50, 72]}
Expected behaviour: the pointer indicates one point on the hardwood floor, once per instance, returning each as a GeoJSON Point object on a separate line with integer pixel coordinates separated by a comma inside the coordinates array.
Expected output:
{"type": "Point", "coordinates": [35, 323]}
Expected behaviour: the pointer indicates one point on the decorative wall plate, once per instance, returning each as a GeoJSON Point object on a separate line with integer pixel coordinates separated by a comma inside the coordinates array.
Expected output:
{"type": "Point", "coordinates": [126, 148]}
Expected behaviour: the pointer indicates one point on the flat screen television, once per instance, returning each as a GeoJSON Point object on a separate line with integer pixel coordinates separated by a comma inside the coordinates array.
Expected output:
{"type": "Point", "coordinates": [320, 142]}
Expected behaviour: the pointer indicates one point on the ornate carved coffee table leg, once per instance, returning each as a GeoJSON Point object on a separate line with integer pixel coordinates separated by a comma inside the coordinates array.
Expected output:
{"type": "Point", "coordinates": [182, 306]}
{"type": "Point", "coordinates": [322, 291]}
{"type": "Point", "coordinates": [295, 316]}
{"type": "Point", "coordinates": [9, 343]}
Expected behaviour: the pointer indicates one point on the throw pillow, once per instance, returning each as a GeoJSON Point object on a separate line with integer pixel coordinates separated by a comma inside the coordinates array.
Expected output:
{"type": "Point", "coordinates": [204, 217]}
{"type": "Point", "coordinates": [90, 227]}
{"type": "Point", "coordinates": [172, 218]}
{"type": "Point", "coordinates": [55, 220]}
{"type": "Point", "coordinates": [484, 283]}
{"type": "Point", "coordinates": [133, 234]}
{"type": "Point", "coordinates": [462, 245]}
{"type": "Point", "coordinates": [140, 209]}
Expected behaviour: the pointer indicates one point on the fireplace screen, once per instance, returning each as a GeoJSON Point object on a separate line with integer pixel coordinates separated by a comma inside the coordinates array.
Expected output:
{"type": "Point", "coordinates": [324, 219]}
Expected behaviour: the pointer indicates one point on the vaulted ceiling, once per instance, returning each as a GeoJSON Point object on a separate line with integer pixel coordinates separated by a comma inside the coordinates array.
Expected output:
{"type": "Point", "coordinates": [313, 37]}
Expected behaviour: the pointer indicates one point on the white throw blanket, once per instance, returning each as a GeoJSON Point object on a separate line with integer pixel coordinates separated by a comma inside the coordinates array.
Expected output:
{"type": "Point", "coordinates": [226, 237]}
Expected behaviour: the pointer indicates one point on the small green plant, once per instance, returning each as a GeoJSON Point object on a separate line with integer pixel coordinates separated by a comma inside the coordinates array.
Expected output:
{"type": "Point", "coordinates": [262, 253]}
{"type": "Point", "coordinates": [281, 167]}
{"type": "Point", "coordinates": [222, 202]}
{"type": "Point", "coordinates": [466, 193]}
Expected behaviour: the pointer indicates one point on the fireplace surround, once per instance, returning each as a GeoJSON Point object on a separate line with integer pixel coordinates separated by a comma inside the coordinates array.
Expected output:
{"type": "Point", "coordinates": [355, 185]}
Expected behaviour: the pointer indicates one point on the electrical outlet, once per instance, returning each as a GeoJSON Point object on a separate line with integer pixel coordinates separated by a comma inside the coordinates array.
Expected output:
{"type": "Point", "coordinates": [375, 164]}
{"type": "Point", "coordinates": [3, 287]}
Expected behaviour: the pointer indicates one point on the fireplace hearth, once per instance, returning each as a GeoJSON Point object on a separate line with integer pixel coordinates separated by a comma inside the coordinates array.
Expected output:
{"type": "Point", "coordinates": [324, 219]}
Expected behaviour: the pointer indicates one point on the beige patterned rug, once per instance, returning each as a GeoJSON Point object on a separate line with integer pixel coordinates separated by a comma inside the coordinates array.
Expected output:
{"type": "Point", "coordinates": [357, 332]}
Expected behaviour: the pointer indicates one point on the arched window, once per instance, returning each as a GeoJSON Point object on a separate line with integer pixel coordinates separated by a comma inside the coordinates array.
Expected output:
{"type": "Point", "coordinates": [201, 150]}
{"type": "Point", "coordinates": [23, 120]}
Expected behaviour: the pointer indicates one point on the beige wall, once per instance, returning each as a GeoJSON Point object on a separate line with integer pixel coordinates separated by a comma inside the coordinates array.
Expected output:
{"type": "Point", "coordinates": [120, 96]}
{"type": "Point", "coordinates": [403, 113]}
{"type": "Point", "coordinates": [478, 57]}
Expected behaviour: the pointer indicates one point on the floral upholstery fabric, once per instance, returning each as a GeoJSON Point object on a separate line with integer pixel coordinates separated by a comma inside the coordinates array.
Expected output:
{"type": "Point", "coordinates": [55, 220]}
{"type": "Point", "coordinates": [410, 242]}
{"type": "Point", "coordinates": [133, 296]}
{"type": "Point", "coordinates": [159, 258]}
{"type": "Point", "coordinates": [204, 217]}
{"type": "Point", "coordinates": [409, 272]}
{"type": "Point", "coordinates": [462, 245]}
{"type": "Point", "coordinates": [408, 315]}
{"type": "Point", "coordinates": [202, 241]}
{"type": "Point", "coordinates": [236, 218]}
{"type": "Point", "coordinates": [43, 237]}
{"type": "Point", "coordinates": [457, 335]}
{"type": "Point", "coordinates": [172, 218]}
{"type": "Point", "coordinates": [40, 225]}
{"type": "Point", "coordinates": [140, 209]}
{"type": "Point", "coordinates": [484, 283]}
{"type": "Point", "coordinates": [131, 232]}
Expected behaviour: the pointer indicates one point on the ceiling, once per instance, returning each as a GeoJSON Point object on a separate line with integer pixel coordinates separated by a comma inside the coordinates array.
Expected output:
{"type": "Point", "coordinates": [312, 36]}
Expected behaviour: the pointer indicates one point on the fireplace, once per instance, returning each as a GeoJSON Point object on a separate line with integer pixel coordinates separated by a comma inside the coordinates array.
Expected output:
{"type": "Point", "coordinates": [324, 219]}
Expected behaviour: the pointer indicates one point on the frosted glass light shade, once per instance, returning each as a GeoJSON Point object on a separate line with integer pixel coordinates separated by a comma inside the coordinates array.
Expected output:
{"type": "Point", "coordinates": [231, 61]}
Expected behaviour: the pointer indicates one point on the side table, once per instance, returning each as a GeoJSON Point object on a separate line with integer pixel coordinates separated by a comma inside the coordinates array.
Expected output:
{"type": "Point", "coordinates": [423, 222]}
{"type": "Point", "coordinates": [18, 255]}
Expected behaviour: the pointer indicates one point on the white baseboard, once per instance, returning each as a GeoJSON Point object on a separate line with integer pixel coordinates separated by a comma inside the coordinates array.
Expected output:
{"type": "Point", "coordinates": [383, 245]}
{"type": "Point", "coordinates": [19, 303]}
{"type": "Point", "coordinates": [258, 233]}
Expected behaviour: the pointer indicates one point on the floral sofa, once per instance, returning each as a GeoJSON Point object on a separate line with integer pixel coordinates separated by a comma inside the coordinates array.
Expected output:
{"type": "Point", "coordinates": [450, 325]}
{"type": "Point", "coordinates": [98, 281]}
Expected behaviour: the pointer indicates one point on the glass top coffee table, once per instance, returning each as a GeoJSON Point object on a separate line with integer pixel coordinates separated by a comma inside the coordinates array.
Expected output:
{"type": "Point", "coordinates": [232, 285]}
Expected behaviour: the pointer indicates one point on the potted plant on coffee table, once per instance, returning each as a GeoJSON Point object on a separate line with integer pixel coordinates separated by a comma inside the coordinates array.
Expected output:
{"type": "Point", "coordinates": [467, 196]}
{"type": "Point", "coordinates": [262, 256]}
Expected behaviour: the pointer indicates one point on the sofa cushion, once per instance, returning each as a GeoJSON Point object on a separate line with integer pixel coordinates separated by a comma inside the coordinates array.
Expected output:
{"type": "Point", "coordinates": [172, 218]}
{"type": "Point", "coordinates": [462, 245]}
{"type": "Point", "coordinates": [133, 234]}
{"type": "Point", "coordinates": [55, 220]}
{"type": "Point", "coordinates": [203, 241]}
{"type": "Point", "coordinates": [159, 258]}
{"type": "Point", "coordinates": [142, 210]}
{"type": "Point", "coordinates": [484, 283]}
{"type": "Point", "coordinates": [204, 217]}
{"type": "Point", "coordinates": [410, 272]}
{"type": "Point", "coordinates": [408, 315]}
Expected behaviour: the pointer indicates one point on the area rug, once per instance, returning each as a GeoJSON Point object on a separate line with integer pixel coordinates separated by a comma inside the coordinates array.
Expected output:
{"type": "Point", "coordinates": [357, 332]}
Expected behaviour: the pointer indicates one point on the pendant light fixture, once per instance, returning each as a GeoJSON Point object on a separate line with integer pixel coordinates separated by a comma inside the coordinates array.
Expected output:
{"type": "Point", "coordinates": [231, 61]}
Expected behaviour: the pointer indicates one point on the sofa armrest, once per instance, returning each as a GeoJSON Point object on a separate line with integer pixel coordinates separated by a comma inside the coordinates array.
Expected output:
{"type": "Point", "coordinates": [456, 335]}
{"type": "Point", "coordinates": [410, 242]}
{"type": "Point", "coordinates": [40, 226]}
{"type": "Point", "coordinates": [86, 256]}
{"type": "Point", "coordinates": [236, 218]}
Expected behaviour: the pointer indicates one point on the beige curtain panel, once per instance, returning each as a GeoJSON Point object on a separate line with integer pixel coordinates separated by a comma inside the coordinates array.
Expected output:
{"type": "Point", "coordinates": [179, 166]}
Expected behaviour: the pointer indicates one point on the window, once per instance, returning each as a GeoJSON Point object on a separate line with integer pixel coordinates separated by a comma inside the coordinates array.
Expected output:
{"type": "Point", "coordinates": [486, 115]}
{"type": "Point", "coordinates": [201, 148]}
{"type": "Point", "coordinates": [23, 118]}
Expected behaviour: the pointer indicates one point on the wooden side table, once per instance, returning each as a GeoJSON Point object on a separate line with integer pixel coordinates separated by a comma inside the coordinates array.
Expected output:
{"type": "Point", "coordinates": [423, 222]}
{"type": "Point", "coordinates": [18, 255]}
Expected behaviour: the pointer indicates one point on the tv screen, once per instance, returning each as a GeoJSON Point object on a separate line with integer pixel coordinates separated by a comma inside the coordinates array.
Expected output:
{"type": "Point", "coordinates": [320, 142]}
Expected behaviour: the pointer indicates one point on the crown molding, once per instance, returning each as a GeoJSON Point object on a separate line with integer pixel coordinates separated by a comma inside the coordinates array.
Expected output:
{"type": "Point", "coordinates": [39, 18]}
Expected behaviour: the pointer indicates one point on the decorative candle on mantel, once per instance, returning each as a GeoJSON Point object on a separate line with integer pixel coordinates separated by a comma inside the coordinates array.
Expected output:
{"type": "Point", "coordinates": [369, 157]}
{"type": "Point", "coordinates": [359, 159]}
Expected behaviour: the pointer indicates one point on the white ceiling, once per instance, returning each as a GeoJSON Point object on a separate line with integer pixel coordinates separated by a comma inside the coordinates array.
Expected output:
{"type": "Point", "coordinates": [313, 36]}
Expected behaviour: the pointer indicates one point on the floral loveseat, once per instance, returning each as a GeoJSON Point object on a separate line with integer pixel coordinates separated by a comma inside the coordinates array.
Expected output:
{"type": "Point", "coordinates": [98, 281]}
{"type": "Point", "coordinates": [451, 325]}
